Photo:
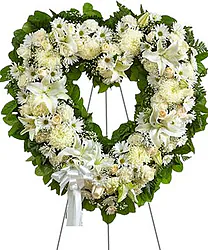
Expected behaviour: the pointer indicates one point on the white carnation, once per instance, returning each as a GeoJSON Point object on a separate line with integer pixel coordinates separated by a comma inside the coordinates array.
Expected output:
{"type": "Point", "coordinates": [89, 48]}
{"type": "Point", "coordinates": [130, 21]}
{"type": "Point", "coordinates": [130, 42]}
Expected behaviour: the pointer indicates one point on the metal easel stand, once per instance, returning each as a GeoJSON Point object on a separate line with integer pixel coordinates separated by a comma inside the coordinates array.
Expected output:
{"type": "Point", "coordinates": [106, 127]}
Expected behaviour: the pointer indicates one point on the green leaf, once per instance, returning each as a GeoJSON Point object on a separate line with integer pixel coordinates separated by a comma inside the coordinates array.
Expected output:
{"type": "Point", "coordinates": [37, 21]}
{"type": "Point", "coordinates": [106, 217]}
{"type": "Point", "coordinates": [5, 74]}
{"type": "Point", "coordinates": [9, 107]}
{"type": "Point", "coordinates": [88, 206]}
{"type": "Point", "coordinates": [43, 170]}
{"type": "Point", "coordinates": [185, 149]}
{"type": "Point", "coordinates": [14, 56]}
{"type": "Point", "coordinates": [201, 69]}
{"type": "Point", "coordinates": [10, 119]}
{"type": "Point", "coordinates": [90, 12]}
{"type": "Point", "coordinates": [18, 38]}
{"type": "Point", "coordinates": [74, 74]}
{"type": "Point", "coordinates": [202, 56]}
{"type": "Point", "coordinates": [55, 186]}
{"type": "Point", "coordinates": [125, 130]}
{"type": "Point", "coordinates": [47, 178]}
{"type": "Point", "coordinates": [168, 20]}
{"type": "Point", "coordinates": [17, 127]}
{"type": "Point", "coordinates": [166, 175]}
{"type": "Point", "coordinates": [91, 126]}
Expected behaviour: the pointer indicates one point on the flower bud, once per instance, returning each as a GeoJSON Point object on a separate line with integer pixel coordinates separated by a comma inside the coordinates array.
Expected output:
{"type": "Point", "coordinates": [144, 20]}
{"type": "Point", "coordinates": [97, 191]}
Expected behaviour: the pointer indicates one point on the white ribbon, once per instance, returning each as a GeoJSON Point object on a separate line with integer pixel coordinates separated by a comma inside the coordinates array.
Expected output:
{"type": "Point", "coordinates": [75, 179]}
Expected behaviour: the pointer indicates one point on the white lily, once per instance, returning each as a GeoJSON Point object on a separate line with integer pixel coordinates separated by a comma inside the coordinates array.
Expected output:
{"type": "Point", "coordinates": [161, 129]}
{"type": "Point", "coordinates": [164, 56]}
{"type": "Point", "coordinates": [48, 93]}
{"type": "Point", "coordinates": [29, 124]}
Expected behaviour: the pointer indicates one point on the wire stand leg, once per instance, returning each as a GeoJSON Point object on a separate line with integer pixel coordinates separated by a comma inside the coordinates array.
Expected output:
{"type": "Point", "coordinates": [151, 214]}
{"type": "Point", "coordinates": [62, 225]}
{"type": "Point", "coordinates": [65, 211]}
{"type": "Point", "coordinates": [106, 132]}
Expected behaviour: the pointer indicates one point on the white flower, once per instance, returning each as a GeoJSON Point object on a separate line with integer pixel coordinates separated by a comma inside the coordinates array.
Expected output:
{"type": "Point", "coordinates": [120, 148]}
{"type": "Point", "coordinates": [22, 97]}
{"type": "Point", "coordinates": [43, 123]}
{"type": "Point", "coordinates": [47, 151]}
{"type": "Point", "coordinates": [48, 93]}
{"type": "Point", "coordinates": [49, 59]}
{"type": "Point", "coordinates": [147, 173]}
{"type": "Point", "coordinates": [77, 124]}
{"type": "Point", "coordinates": [66, 112]}
{"type": "Point", "coordinates": [103, 34]}
{"type": "Point", "coordinates": [179, 30]}
{"type": "Point", "coordinates": [120, 28]}
{"type": "Point", "coordinates": [161, 31]}
{"type": "Point", "coordinates": [135, 139]}
{"type": "Point", "coordinates": [130, 21]}
{"type": "Point", "coordinates": [125, 174]}
{"type": "Point", "coordinates": [164, 56]}
{"type": "Point", "coordinates": [138, 155]}
{"type": "Point", "coordinates": [155, 17]}
{"type": "Point", "coordinates": [173, 91]}
{"type": "Point", "coordinates": [111, 210]}
{"type": "Point", "coordinates": [58, 24]}
{"type": "Point", "coordinates": [162, 129]}
{"type": "Point", "coordinates": [189, 103]}
{"type": "Point", "coordinates": [15, 71]}
{"type": "Point", "coordinates": [29, 124]}
{"type": "Point", "coordinates": [167, 159]}
{"type": "Point", "coordinates": [185, 71]}
{"type": "Point", "coordinates": [182, 141]}
{"type": "Point", "coordinates": [91, 25]}
{"type": "Point", "coordinates": [131, 41]}
{"type": "Point", "coordinates": [61, 136]}
{"type": "Point", "coordinates": [89, 48]}
{"type": "Point", "coordinates": [39, 37]}
{"type": "Point", "coordinates": [70, 60]}
{"type": "Point", "coordinates": [151, 67]}
{"type": "Point", "coordinates": [24, 52]}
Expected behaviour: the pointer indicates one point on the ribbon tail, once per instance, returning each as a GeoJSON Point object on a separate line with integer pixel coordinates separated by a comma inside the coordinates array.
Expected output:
{"type": "Point", "coordinates": [74, 209]}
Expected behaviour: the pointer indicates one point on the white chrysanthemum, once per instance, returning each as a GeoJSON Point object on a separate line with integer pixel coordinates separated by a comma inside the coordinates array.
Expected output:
{"type": "Point", "coordinates": [179, 30]}
{"type": "Point", "coordinates": [159, 101]}
{"type": "Point", "coordinates": [130, 42]}
{"type": "Point", "coordinates": [138, 155]}
{"type": "Point", "coordinates": [153, 81]}
{"type": "Point", "coordinates": [135, 139]}
{"type": "Point", "coordinates": [130, 21]}
{"type": "Point", "coordinates": [39, 37]}
{"type": "Point", "coordinates": [61, 136]}
{"type": "Point", "coordinates": [66, 112]}
{"type": "Point", "coordinates": [125, 174]}
{"type": "Point", "coordinates": [167, 159]}
{"type": "Point", "coordinates": [147, 173]}
{"type": "Point", "coordinates": [151, 67]}
{"type": "Point", "coordinates": [161, 31]}
{"type": "Point", "coordinates": [103, 34]}
{"type": "Point", "coordinates": [189, 103]}
{"type": "Point", "coordinates": [43, 123]}
{"type": "Point", "coordinates": [172, 91]}
{"type": "Point", "coordinates": [89, 48]}
{"type": "Point", "coordinates": [91, 25]}
{"type": "Point", "coordinates": [48, 59]}
{"type": "Point", "coordinates": [55, 74]}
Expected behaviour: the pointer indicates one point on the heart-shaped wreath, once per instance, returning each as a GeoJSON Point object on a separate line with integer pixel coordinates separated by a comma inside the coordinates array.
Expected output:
{"type": "Point", "coordinates": [47, 112]}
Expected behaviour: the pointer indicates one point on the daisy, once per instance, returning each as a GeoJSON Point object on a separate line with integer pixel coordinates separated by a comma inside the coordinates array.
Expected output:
{"type": "Point", "coordinates": [70, 60]}
{"type": "Point", "coordinates": [15, 71]}
{"type": "Point", "coordinates": [120, 148]}
{"type": "Point", "coordinates": [77, 125]}
{"type": "Point", "coordinates": [58, 23]}
{"type": "Point", "coordinates": [43, 123]}
{"type": "Point", "coordinates": [161, 31]}
{"type": "Point", "coordinates": [22, 97]}
{"type": "Point", "coordinates": [179, 30]}
{"type": "Point", "coordinates": [104, 34]}
{"type": "Point", "coordinates": [120, 28]}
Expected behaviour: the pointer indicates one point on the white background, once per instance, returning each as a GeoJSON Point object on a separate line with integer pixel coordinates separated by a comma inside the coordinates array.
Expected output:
{"type": "Point", "coordinates": [31, 214]}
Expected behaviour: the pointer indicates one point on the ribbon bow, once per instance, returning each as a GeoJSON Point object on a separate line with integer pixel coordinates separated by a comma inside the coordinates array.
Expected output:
{"type": "Point", "coordinates": [75, 179]}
